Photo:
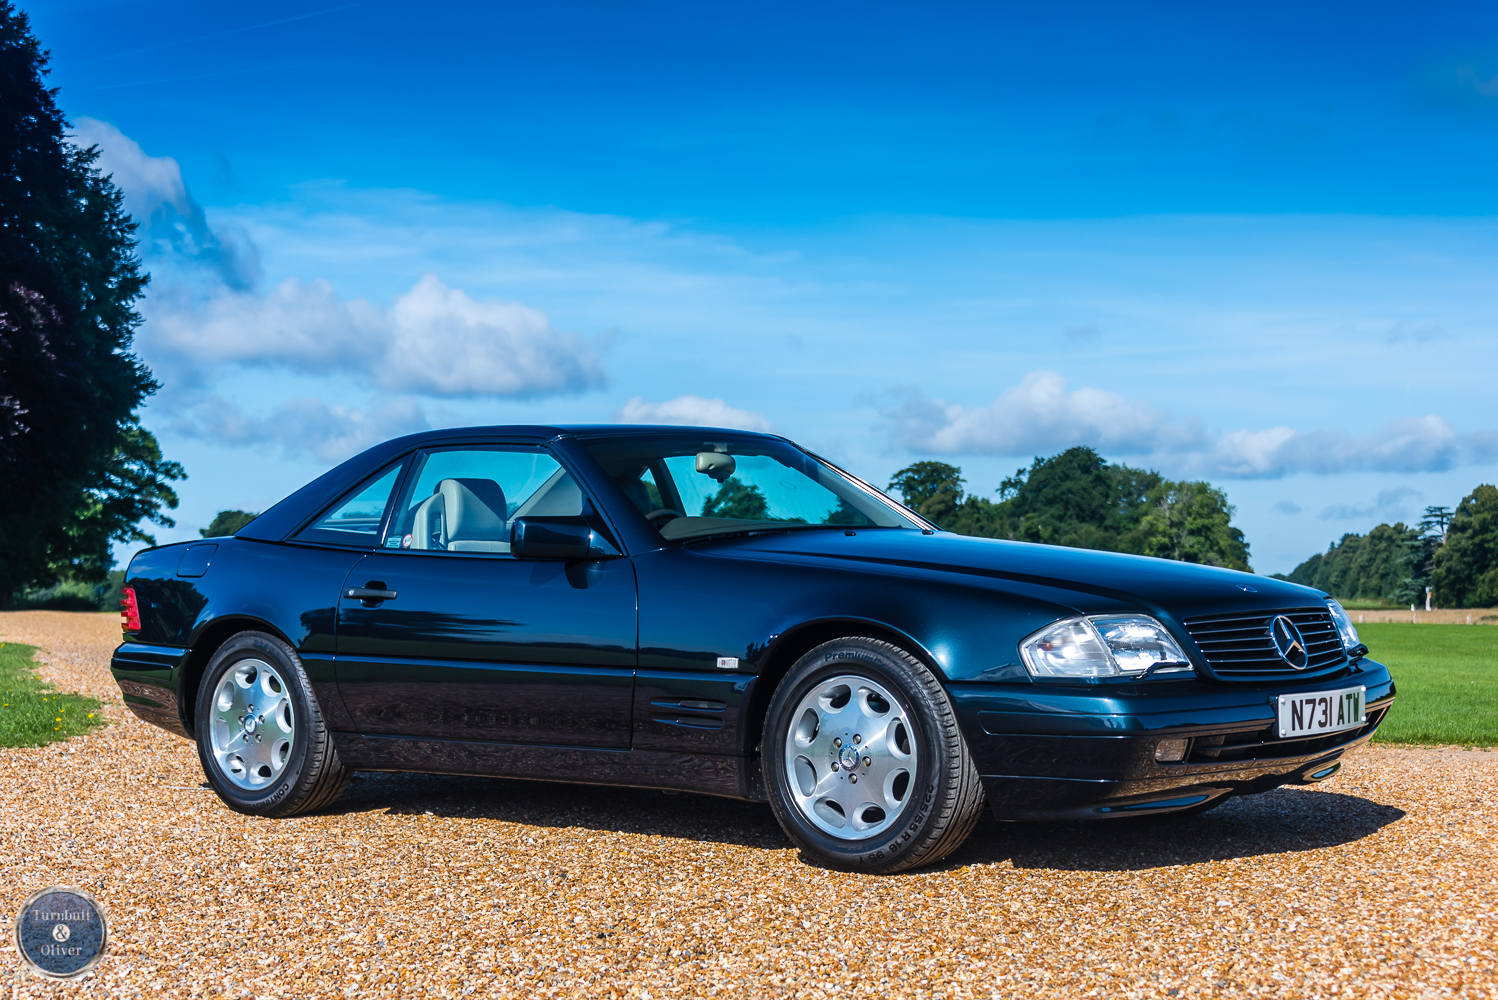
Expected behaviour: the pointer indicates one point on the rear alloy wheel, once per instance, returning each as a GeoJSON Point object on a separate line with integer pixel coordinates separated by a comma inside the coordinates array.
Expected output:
{"type": "Point", "coordinates": [865, 766]}
{"type": "Point", "coordinates": [261, 738]}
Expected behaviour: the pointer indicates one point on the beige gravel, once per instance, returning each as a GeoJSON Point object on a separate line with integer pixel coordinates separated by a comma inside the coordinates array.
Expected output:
{"type": "Point", "coordinates": [1379, 884]}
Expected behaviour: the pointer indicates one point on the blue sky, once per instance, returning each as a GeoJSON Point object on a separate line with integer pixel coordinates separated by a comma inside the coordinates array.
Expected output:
{"type": "Point", "coordinates": [1253, 244]}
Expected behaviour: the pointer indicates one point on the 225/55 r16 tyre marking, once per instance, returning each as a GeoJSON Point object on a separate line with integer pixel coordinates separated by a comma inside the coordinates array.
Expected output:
{"type": "Point", "coordinates": [851, 757]}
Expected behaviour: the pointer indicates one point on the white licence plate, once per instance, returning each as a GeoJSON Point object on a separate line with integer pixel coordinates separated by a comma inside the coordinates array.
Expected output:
{"type": "Point", "coordinates": [1322, 711]}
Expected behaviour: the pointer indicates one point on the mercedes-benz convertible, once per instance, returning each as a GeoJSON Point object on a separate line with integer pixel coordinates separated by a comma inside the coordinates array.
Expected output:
{"type": "Point", "coordinates": [723, 612]}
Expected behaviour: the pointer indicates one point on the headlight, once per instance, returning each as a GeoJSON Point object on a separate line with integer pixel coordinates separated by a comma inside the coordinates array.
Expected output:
{"type": "Point", "coordinates": [1343, 621]}
{"type": "Point", "coordinates": [1102, 646]}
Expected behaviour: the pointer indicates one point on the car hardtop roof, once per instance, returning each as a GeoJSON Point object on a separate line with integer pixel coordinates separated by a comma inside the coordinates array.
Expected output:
{"type": "Point", "coordinates": [547, 431]}
{"type": "Point", "coordinates": [282, 518]}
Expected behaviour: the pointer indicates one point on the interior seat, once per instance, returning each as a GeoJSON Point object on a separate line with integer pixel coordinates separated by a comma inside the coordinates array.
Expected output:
{"type": "Point", "coordinates": [473, 513]}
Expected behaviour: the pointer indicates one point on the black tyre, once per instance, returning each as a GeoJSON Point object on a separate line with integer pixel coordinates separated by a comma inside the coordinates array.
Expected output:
{"type": "Point", "coordinates": [261, 737]}
{"type": "Point", "coordinates": [865, 766]}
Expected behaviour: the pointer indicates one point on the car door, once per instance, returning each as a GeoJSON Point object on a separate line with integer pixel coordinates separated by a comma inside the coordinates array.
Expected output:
{"type": "Point", "coordinates": [449, 636]}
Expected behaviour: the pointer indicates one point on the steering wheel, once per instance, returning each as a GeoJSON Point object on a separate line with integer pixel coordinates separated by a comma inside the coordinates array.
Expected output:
{"type": "Point", "coordinates": [660, 517]}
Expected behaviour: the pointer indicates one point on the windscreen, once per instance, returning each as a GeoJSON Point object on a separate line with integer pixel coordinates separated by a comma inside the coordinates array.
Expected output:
{"type": "Point", "coordinates": [690, 487]}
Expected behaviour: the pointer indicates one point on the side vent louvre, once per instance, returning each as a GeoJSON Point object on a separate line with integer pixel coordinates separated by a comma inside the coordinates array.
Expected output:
{"type": "Point", "coordinates": [671, 712]}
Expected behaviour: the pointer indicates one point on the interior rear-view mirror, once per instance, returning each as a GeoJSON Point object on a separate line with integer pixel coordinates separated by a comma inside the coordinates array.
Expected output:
{"type": "Point", "coordinates": [715, 464]}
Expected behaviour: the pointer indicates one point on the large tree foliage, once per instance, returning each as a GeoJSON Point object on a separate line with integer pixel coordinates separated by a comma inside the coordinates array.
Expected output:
{"type": "Point", "coordinates": [77, 471]}
{"type": "Point", "coordinates": [1375, 566]}
{"type": "Point", "coordinates": [1078, 499]}
{"type": "Point", "coordinates": [227, 522]}
{"type": "Point", "coordinates": [1466, 568]}
{"type": "Point", "coordinates": [1397, 563]}
{"type": "Point", "coordinates": [1189, 522]}
{"type": "Point", "coordinates": [735, 499]}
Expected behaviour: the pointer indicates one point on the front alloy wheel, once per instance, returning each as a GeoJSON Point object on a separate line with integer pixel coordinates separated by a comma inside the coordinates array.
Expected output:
{"type": "Point", "coordinates": [865, 766]}
{"type": "Point", "coordinates": [850, 757]}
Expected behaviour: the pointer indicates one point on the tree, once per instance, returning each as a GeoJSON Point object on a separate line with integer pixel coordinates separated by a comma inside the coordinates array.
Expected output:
{"type": "Point", "coordinates": [1078, 499]}
{"type": "Point", "coordinates": [1075, 498]}
{"type": "Point", "coordinates": [1375, 566]}
{"type": "Point", "coordinates": [734, 499]}
{"type": "Point", "coordinates": [132, 486]}
{"type": "Point", "coordinates": [925, 481]}
{"type": "Point", "coordinates": [1188, 522]}
{"type": "Point", "coordinates": [70, 442]}
{"type": "Point", "coordinates": [1466, 567]}
{"type": "Point", "coordinates": [1436, 520]}
{"type": "Point", "coordinates": [227, 522]}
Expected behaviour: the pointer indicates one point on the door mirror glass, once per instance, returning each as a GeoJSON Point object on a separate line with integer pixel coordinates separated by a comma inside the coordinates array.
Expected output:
{"type": "Point", "coordinates": [569, 538]}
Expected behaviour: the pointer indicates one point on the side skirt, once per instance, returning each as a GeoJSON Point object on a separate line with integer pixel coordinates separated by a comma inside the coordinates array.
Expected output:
{"type": "Point", "coordinates": [708, 774]}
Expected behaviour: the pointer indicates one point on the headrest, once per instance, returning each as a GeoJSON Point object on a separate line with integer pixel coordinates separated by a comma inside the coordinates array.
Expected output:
{"type": "Point", "coordinates": [474, 508]}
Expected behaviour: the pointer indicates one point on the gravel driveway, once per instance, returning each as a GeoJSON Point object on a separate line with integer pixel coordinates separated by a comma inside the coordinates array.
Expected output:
{"type": "Point", "coordinates": [1379, 883]}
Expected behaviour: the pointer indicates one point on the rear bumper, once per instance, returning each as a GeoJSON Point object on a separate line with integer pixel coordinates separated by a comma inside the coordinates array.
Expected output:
{"type": "Point", "coordinates": [1052, 752]}
{"type": "Point", "coordinates": [147, 676]}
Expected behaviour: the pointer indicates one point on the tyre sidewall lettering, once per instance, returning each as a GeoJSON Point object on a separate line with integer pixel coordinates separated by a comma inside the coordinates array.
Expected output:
{"type": "Point", "coordinates": [888, 669]}
{"type": "Point", "coordinates": [255, 648]}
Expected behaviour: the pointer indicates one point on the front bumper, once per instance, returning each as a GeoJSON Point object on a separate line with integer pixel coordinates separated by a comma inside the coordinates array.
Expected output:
{"type": "Point", "coordinates": [1053, 752]}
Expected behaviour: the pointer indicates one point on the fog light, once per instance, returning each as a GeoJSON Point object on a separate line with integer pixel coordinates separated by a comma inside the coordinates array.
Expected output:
{"type": "Point", "coordinates": [1170, 751]}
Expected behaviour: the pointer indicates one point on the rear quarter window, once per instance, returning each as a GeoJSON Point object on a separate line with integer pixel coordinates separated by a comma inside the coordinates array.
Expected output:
{"type": "Point", "coordinates": [356, 517]}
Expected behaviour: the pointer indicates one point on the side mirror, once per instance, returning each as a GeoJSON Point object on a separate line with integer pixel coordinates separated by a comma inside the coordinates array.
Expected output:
{"type": "Point", "coordinates": [565, 538]}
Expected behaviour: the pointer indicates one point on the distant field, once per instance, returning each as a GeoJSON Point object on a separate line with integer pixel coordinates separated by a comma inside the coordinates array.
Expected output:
{"type": "Point", "coordinates": [1447, 682]}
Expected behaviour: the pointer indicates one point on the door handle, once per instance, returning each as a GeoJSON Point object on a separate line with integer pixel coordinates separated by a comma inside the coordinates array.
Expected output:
{"type": "Point", "coordinates": [365, 594]}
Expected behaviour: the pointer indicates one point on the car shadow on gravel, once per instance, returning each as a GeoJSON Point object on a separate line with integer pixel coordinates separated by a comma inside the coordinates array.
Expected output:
{"type": "Point", "coordinates": [1282, 821]}
{"type": "Point", "coordinates": [554, 804]}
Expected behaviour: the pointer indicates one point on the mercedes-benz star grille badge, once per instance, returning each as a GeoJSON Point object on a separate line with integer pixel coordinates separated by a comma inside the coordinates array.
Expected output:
{"type": "Point", "coordinates": [1288, 642]}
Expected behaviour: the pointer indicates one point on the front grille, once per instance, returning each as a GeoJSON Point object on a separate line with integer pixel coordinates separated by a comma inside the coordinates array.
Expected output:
{"type": "Point", "coordinates": [1240, 646]}
{"type": "Point", "coordinates": [1261, 744]}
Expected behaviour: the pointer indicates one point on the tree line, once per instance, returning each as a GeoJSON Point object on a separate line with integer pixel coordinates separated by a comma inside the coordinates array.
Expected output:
{"type": "Point", "coordinates": [1077, 498]}
{"type": "Point", "coordinates": [78, 472]}
{"type": "Point", "coordinates": [1454, 553]}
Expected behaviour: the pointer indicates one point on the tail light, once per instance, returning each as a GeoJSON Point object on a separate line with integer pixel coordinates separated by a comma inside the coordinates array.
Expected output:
{"type": "Point", "coordinates": [129, 610]}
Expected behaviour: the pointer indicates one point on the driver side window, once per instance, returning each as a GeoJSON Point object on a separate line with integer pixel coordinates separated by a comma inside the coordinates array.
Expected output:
{"type": "Point", "coordinates": [466, 499]}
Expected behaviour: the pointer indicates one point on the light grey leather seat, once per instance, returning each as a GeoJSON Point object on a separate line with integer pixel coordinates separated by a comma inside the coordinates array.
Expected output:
{"type": "Point", "coordinates": [428, 529]}
{"type": "Point", "coordinates": [473, 514]}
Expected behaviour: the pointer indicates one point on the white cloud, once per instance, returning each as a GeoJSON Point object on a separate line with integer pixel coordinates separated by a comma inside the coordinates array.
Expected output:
{"type": "Point", "coordinates": [693, 410]}
{"type": "Point", "coordinates": [434, 341]}
{"type": "Point", "coordinates": [1389, 505]}
{"type": "Point", "coordinates": [148, 182]}
{"type": "Point", "coordinates": [446, 344]}
{"type": "Point", "coordinates": [172, 225]}
{"type": "Point", "coordinates": [295, 325]}
{"type": "Point", "coordinates": [330, 433]}
{"type": "Point", "coordinates": [1038, 415]}
{"type": "Point", "coordinates": [1041, 416]}
{"type": "Point", "coordinates": [1413, 444]}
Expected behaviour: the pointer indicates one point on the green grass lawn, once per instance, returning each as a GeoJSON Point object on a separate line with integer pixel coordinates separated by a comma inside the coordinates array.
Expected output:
{"type": "Point", "coordinates": [33, 713]}
{"type": "Point", "coordinates": [1447, 681]}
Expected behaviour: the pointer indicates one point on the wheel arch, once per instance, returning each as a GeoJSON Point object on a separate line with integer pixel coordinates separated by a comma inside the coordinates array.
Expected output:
{"type": "Point", "coordinates": [796, 642]}
{"type": "Point", "coordinates": [209, 641]}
